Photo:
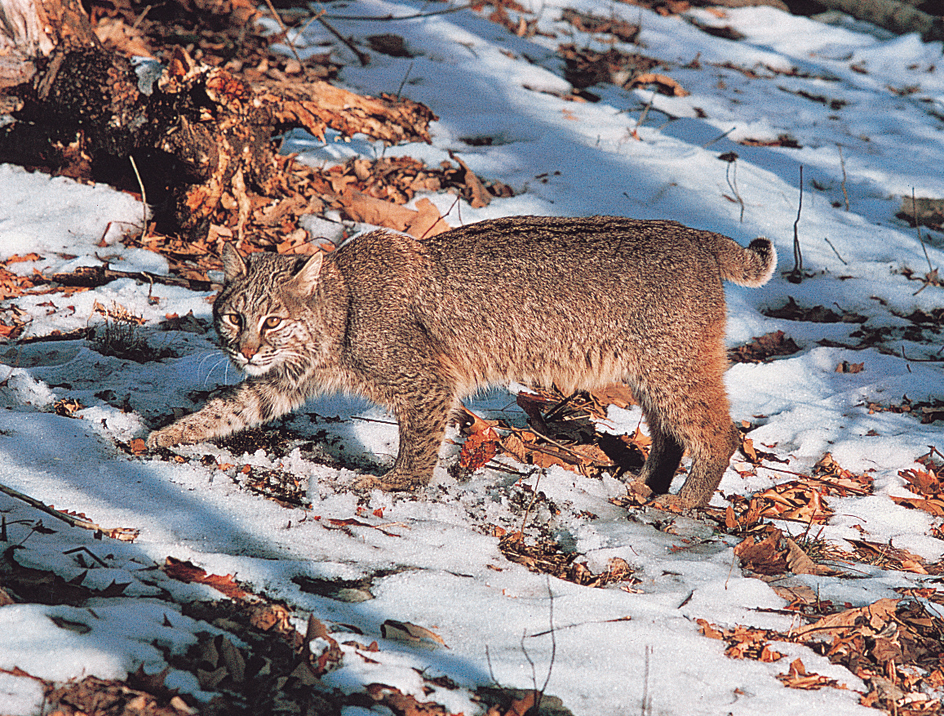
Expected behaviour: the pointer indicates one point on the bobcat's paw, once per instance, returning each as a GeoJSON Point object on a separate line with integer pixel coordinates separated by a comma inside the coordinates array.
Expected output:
{"type": "Point", "coordinates": [393, 481]}
{"type": "Point", "coordinates": [642, 495]}
{"type": "Point", "coordinates": [639, 491]}
{"type": "Point", "coordinates": [366, 483]}
{"type": "Point", "coordinates": [165, 437]}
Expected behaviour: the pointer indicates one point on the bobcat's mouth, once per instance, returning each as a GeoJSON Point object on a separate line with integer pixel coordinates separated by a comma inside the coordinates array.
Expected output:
{"type": "Point", "coordinates": [252, 366]}
{"type": "Point", "coordinates": [255, 369]}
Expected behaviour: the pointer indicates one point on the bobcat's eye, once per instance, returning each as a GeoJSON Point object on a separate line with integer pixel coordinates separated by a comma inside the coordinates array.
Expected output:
{"type": "Point", "coordinates": [233, 319]}
{"type": "Point", "coordinates": [272, 322]}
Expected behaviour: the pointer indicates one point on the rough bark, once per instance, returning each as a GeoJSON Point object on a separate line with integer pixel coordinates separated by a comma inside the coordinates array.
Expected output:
{"type": "Point", "coordinates": [33, 28]}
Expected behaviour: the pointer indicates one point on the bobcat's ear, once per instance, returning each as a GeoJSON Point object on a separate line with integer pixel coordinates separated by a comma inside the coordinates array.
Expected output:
{"type": "Point", "coordinates": [303, 283]}
{"type": "Point", "coordinates": [234, 265]}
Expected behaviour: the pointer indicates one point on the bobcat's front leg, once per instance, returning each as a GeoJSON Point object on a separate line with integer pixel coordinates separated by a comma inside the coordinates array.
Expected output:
{"type": "Point", "coordinates": [246, 405]}
{"type": "Point", "coordinates": [422, 421]}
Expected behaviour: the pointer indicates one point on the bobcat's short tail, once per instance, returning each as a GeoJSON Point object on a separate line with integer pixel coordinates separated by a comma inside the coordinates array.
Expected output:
{"type": "Point", "coordinates": [752, 266]}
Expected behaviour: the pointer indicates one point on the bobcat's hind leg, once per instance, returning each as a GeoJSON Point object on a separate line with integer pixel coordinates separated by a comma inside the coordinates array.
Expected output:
{"type": "Point", "coordinates": [665, 454]}
{"type": "Point", "coordinates": [711, 454]}
{"type": "Point", "coordinates": [693, 417]}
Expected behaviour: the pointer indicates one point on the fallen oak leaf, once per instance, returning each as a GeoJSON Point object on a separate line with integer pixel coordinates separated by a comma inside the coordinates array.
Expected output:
{"type": "Point", "coordinates": [137, 446]}
{"type": "Point", "coordinates": [479, 196]}
{"type": "Point", "coordinates": [875, 615]}
{"type": "Point", "coordinates": [421, 223]}
{"type": "Point", "coordinates": [427, 221]}
{"type": "Point", "coordinates": [764, 556]}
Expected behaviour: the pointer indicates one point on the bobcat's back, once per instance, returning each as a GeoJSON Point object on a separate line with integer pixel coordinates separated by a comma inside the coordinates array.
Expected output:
{"type": "Point", "coordinates": [577, 302]}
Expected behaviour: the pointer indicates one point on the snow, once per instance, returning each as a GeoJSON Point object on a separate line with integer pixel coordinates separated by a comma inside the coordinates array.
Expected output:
{"type": "Point", "coordinates": [432, 558]}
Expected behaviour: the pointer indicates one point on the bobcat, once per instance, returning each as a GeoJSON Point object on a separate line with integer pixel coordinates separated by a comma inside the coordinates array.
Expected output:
{"type": "Point", "coordinates": [414, 325]}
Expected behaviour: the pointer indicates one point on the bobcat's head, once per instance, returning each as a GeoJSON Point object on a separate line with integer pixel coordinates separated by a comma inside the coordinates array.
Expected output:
{"type": "Point", "coordinates": [261, 313]}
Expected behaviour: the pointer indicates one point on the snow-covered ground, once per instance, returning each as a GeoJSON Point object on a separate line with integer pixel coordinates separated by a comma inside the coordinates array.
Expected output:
{"type": "Point", "coordinates": [867, 110]}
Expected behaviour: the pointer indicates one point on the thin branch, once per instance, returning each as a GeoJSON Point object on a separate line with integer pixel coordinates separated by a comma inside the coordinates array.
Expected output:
{"type": "Point", "coordinates": [403, 81]}
{"type": "Point", "coordinates": [144, 218]}
{"type": "Point", "coordinates": [94, 276]}
{"type": "Point", "coordinates": [550, 666]}
{"type": "Point", "coordinates": [291, 45]}
{"type": "Point", "coordinates": [125, 534]}
{"type": "Point", "coordinates": [645, 112]}
{"type": "Point", "coordinates": [646, 705]}
{"type": "Point", "coordinates": [797, 274]}
{"type": "Point", "coordinates": [717, 139]}
{"type": "Point", "coordinates": [731, 176]}
{"type": "Point", "coordinates": [826, 239]}
{"type": "Point", "coordinates": [363, 57]}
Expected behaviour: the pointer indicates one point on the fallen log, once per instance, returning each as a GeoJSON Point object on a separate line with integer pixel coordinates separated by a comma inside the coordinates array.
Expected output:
{"type": "Point", "coordinates": [200, 137]}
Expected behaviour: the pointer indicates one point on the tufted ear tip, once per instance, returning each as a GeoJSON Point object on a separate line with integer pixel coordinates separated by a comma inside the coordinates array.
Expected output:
{"type": "Point", "coordinates": [303, 283]}
{"type": "Point", "coordinates": [234, 265]}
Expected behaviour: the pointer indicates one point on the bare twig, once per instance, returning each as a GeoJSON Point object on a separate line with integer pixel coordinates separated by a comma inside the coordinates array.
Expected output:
{"type": "Point", "coordinates": [717, 139]}
{"type": "Point", "coordinates": [914, 208]}
{"type": "Point", "coordinates": [550, 666]}
{"type": "Point", "coordinates": [931, 276]}
{"type": "Point", "coordinates": [121, 533]}
{"type": "Point", "coordinates": [403, 81]}
{"type": "Point", "coordinates": [730, 176]}
{"type": "Point", "coordinates": [534, 498]}
{"type": "Point", "coordinates": [646, 705]}
{"type": "Point", "coordinates": [144, 216]}
{"type": "Point", "coordinates": [797, 274]}
{"type": "Point", "coordinates": [826, 239]}
{"type": "Point", "coordinates": [362, 57]}
{"type": "Point", "coordinates": [645, 112]}
{"type": "Point", "coordinates": [93, 276]}
{"type": "Point", "coordinates": [288, 41]}
{"type": "Point", "coordinates": [539, 693]}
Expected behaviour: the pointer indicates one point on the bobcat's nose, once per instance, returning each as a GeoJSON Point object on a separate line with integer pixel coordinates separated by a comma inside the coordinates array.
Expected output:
{"type": "Point", "coordinates": [249, 348]}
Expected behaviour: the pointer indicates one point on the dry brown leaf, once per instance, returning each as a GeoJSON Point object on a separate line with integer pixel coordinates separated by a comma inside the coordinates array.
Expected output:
{"type": "Point", "coordinates": [480, 447]}
{"type": "Point", "coordinates": [479, 196]}
{"type": "Point", "coordinates": [875, 615]}
{"type": "Point", "coordinates": [832, 479]}
{"type": "Point", "coordinates": [523, 705]}
{"type": "Point", "coordinates": [406, 631]}
{"type": "Point", "coordinates": [424, 222]}
{"type": "Point", "coordinates": [189, 572]}
{"type": "Point", "coordinates": [763, 348]}
{"type": "Point", "coordinates": [798, 678]}
{"type": "Point", "coordinates": [618, 394]}
{"type": "Point", "coordinates": [664, 84]}
{"type": "Point", "coordinates": [764, 556]}
{"type": "Point", "coordinates": [369, 210]}
{"type": "Point", "coordinates": [799, 561]}
{"type": "Point", "coordinates": [427, 221]}
{"type": "Point", "coordinates": [847, 367]}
